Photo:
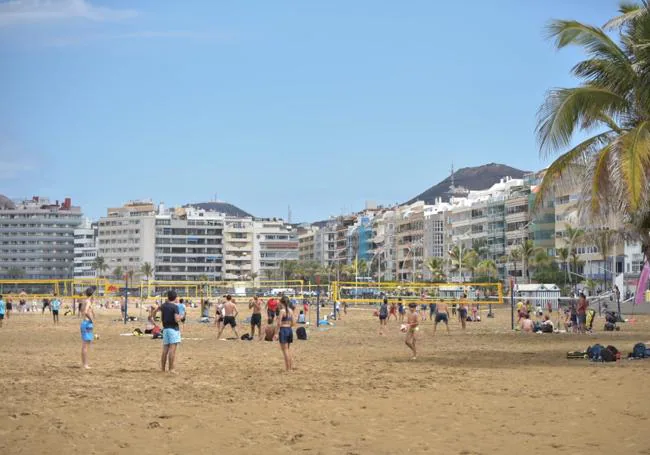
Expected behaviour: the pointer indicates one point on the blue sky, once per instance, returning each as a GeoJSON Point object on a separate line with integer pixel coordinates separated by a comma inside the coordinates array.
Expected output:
{"type": "Point", "coordinates": [320, 105]}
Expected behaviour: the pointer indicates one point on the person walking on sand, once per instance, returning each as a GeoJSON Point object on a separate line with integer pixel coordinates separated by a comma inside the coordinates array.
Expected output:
{"type": "Point", "coordinates": [285, 331]}
{"type": "Point", "coordinates": [55, 304]}
{"type": "Point", "coordinates": [229, 317]}
{"type": "Point", "coordinates": [442, 315]}
{"type": "Point", "coordinates": [256, 318]}
{"type": "Point", "coordinates": [462, 312]}
{"type": "Point", "coordinates": [10, 306]}
{"type": "Point", "coordinates": [170, 317]}
{"type": "Point", "coordinates": [87, 326]}
{"type": "Point", "coordinates": [412, 323]}
{"type": "Point", "coordinates": [401, 309]}
{"type": "Point", "coordinates": [393, 311]}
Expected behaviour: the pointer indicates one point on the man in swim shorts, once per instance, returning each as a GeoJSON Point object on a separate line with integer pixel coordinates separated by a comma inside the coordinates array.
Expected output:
{"type": "Point", "coordinates": [442, 315]}
{"type": "Point", "coordinates": [171, 332]}
{"type": "Point", "coordinates": [46, 304]}
{"type": "Point", "coordinates": [256, 318]}
{"type": "Point", "coordinates": [229, 314]}
{"type": "Point", "coordinates": [412, 322]}
{"type": "Point", "coordinates": [87, 326]}
{"type": "Point", "coordinates": [55, 304]}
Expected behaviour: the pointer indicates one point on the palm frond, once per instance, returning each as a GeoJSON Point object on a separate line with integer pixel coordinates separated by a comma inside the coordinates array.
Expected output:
{"type": "Point", "coordinates": [567, 108]}
{"type": "Point", "coordinates": [566, 163]}
{"type": "Point", "coordinates": [635, 158]}
{"type": "Point", "coordinates": [593, 39]}
{"type": "Point", "coordinates": [629, 12]}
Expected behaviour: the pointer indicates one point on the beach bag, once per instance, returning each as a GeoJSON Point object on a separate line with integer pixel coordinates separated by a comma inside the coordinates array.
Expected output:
{"type": "Point", "coordinates": [639, 351]}
{"type": "Point", "coordinates": [246, 337]}
{"type": "Point", "coordinates": [547, 328]}
{"type": "Point", "coordinates": [301, 333]}
{"type": "Point", "coordinates": [609, 327]}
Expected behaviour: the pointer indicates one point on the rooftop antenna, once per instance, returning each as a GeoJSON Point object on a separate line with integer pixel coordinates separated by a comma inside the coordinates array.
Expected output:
{"type": "Point", "coordinates": [289, 214]}
{"type": "Point", "coordinates": [452, 175]}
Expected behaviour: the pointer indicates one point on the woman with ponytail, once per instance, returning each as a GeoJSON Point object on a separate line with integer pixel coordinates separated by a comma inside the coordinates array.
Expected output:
{"type": "Point", "coordinates": [285, 331]}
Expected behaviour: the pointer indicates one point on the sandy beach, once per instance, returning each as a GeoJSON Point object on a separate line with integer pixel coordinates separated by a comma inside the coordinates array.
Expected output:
{"type": "Point", "coordinates": [485, 391]}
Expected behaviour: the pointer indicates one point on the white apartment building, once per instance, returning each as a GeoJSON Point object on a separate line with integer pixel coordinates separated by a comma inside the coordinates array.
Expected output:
{"type": "Point", "coordinates": [274, 242]}
{"type": "Point", "coordinates": [306, 243]}
{"type": "Point", "coordinates": [189, 245]}
{"type": "Point", "coordinates": [238, 247]}
{"type": "Point", "coordinates": [325, 244]}
{"type": "Point", "coordinates": [126, 236]}
{"type": "Point", "coordinates": [37, 238]}
{"type": "Point", "coordinates": [85, 250]}
{"type": "Point", "coordinates": [437, 232]}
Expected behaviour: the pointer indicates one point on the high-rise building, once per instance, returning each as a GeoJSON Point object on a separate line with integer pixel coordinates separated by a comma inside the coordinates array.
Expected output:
{"type": "Point", "coordinates": [275, 241]}
{"type": "Point", "coordinates": [37, 238]}
{"type": "Point", "coordinates": [85, 250]}
{"type": "Point", "coordinates": [126, 236]}
{"type": "Point", "coordinates": [238, 249]}
{"type": "Point", "coordinates": [306, 243]}
{"type": "Point", "coordinates": [189, 245]}
{"type": "Point", "coordinates": [325, 244]}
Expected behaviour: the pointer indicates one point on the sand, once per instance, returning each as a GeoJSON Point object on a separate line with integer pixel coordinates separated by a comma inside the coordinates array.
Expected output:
{"type": "Point", "coordinates": [485, 391]}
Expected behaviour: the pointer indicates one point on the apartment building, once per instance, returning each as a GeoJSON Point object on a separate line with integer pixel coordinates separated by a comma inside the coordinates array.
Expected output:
{"type": "Point", "coordinates": [437, 233]}
{"type": "Point", "coordinates": [275, 241]}
{"type": "Point", "coordinates": [85, 250]}
{"type": "Point", "coordinates": [126, 236]}
{"type": "Point", "coordinates": [189, 245]}
{"type": "Point", "coordinates": [307, 243]}
{"type": "Point", "coordinates": [325, 244]}
{"type": "Point", "coordinates": [238, 247]}
{"type": "Point", "coordinates": [37, 238]}
{"type": "Point", "coordinates": [410, 243]}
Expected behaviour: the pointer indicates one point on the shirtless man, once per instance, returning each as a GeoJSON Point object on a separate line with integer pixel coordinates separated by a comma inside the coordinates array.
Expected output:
{"type": "Point", "coordinates": [527, 324]}
{"type": "Point", "coordinates": [256, 318]}
{"type": "Point", "coordinates": [442, 315]}
{"type": "Point", "coordinates": [412, 322]}
{"type": "Point", "coordinates": [218, 314]}
{"type": "Point", "coordinates": [87, 326]}
{"type": "Point", "coordinates": [229, 314]}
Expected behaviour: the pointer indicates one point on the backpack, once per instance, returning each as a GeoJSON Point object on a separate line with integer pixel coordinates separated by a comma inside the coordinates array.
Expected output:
{"type": "Point", "coordinates": [246, 337]}
{"type": "Point", "coordinates": [595, 352]}
{"type": "Point", "coordinates": [607, 356]}
{"type": "Point", "coordinates": [301, 333]}
{"type": "Point", "coordinates": [639, 351]}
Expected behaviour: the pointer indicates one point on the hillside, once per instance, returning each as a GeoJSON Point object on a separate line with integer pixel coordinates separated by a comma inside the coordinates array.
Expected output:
{"type": "Point", "coordinates": [470, 178]}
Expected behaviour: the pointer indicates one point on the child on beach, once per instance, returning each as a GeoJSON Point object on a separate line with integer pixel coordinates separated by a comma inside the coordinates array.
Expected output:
{"type": "Point", "coordinates": [55, 305]}
{"type": "Point", "coordinates": [383, 316]}
{"type": "Point", "coordinates": [87, 327]}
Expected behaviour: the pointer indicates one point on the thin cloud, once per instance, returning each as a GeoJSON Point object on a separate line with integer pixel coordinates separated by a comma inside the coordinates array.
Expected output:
{"type": "Point", "coordinates": [16, 161]}
{"type": "Point", "coordinates": [21, 12]}
{"type": "Point", "coordinates": [143, 34]}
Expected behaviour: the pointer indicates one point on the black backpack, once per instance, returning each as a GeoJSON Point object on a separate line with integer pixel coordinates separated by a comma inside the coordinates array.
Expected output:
{"type": "Point", "coordinates": [607, 356]}
{"type": "Point", "coordinates": [595, 352]}
{"type": "Point", "coordinates": [301, 333]}
{"type": "Point", "coordinates": [246, 337]}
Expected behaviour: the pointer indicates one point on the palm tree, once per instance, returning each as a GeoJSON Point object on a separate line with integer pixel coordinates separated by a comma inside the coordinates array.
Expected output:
{"type": "Point", "coordinates": [118, 273]}
{"type": "Point", "coordinates": [514, 256]}
{"type": "Point", "coordinates": [146, 270]}
{"type": "Point", "coordinates": [486, 267]}
{"type": "Point", "coordinates": [481, 247]}
{"type": "Point", "coordinates": [563, 256]}
{"type": "Point", "coordinates": [435, 266]}
{"type": "Point", "coordinates": [605, 239]}
{"type": "Point", "coordinates": [527, 251]}
{"type": "Point", "coordinates": [612, 99]}
{"type": "Point", "coordinates": [99, 264]}
{"type": "Point", "coordinates": [462, 258]}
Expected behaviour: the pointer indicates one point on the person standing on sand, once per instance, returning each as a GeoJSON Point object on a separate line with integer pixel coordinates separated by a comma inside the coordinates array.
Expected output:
{"type": "Point", "coordinates": [412, 323]}
{"type": "Point", "coordinates": [55, 304]}
{"type": "Point", "coordinates": [462, 312]}
{"type": "Point", "coordinates": [171, 332]}
{"type": "Point", "coordinates": [229, 314]}
{"type": "Point", "coordinates": [271, 309]}
{"type": "Point", "coordinates": [256, 318]}
{"type": "Point", "coordinates": [583, 305]}
{"type": "Point", "coordinates": [402, 311]}
{"type": "Point", "coordinates": [383, 316]}
{"type": "Point", "coordinates": [442, 315]}
{"type": "Point", "coordinates": [87, 326]}
{"type": "Point", "coordinates": [285, 331]}
{"type": "Point", "coordinates": [2, 310]}
{"type": "Point", "coordinates": [393, 310]}
{"type": "Point", "coordinates": [10, 306]}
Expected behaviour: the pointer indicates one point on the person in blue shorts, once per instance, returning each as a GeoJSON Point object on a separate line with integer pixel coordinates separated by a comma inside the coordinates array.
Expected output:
{"type": "Point", "coordinates": [171, 332]}
{"type": "Point", "coordinates": [285, 331]}
{"type": "Point", "coordinates": [2, 310]}
{"type": "Point", "coordinates": [442, 315]}
{"type": "Point", "coordinates": [401, 309]}
{"type": "Point", "coordinates": [87, 327]}
{"type": "Point", "coordinates": [55, 305]}
{"type": "Point", "coordinates": [181, 310]}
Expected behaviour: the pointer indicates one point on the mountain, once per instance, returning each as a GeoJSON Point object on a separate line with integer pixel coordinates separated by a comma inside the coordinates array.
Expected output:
{"type": "Point", "coordinates": [470, 178]}
{"type": "Point", "coordinates": [221, 207]}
